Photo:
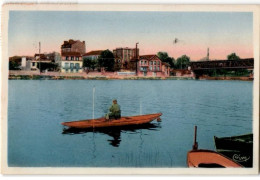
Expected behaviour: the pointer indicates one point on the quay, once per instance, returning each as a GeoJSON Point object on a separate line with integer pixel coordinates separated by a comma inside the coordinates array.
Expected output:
{"type": "Point", "coordinates": [36, 75]}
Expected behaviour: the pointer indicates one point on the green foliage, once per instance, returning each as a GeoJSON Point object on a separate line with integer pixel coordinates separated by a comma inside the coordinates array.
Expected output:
{"type": "Point", "coordinates": [233, 56]}
{"type": "Point", "coordinates": [106, 60]}
{"type": "Point", "coordinates": [182, 62]}
{"type": "Point", "coordinates": [13, 65]}
{"type": "Point", "coordinates": [165, 58]}
{"type": "Point", "coordinates": [90, 64]}
{"type": "Point", "coordinates": [49, 66]}
{"type": "Point", "coordinates": [14, 62]}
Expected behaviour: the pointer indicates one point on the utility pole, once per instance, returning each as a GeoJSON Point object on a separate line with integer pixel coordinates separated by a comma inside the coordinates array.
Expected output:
{"type": "Point", "coordinates": [136, 58]}
{"type": "Point", "coordinates": [208, 55]}
{"type": "Point", "coordinates": [40, 56]}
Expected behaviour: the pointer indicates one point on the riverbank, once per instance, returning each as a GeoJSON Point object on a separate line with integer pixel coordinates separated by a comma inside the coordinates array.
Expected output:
{"type": "Point", "coordinates": [241, 78]}
{"type": "Point", "coordinates": [34, 75]}
{"type": "Point", "coordinates": [44, 77]}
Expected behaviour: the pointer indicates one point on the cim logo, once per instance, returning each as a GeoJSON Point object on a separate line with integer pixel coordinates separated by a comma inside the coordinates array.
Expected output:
{"type": "Point", "coordinates": [239, 158]}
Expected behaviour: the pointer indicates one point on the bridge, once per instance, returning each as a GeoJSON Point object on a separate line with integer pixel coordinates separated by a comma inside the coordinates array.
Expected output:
{"type": "Point", "coordinates": [223, 64]}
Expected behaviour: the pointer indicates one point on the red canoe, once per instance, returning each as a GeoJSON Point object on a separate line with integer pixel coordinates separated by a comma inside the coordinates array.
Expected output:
{"type": "Point", "coordinates": [123, 121]}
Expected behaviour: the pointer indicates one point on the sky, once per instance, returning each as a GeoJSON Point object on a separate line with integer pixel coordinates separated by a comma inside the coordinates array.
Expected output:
{"type": "Point", "coordinates": [222, 32]}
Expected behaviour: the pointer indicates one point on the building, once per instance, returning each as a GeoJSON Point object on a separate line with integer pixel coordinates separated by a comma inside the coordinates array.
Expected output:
{"type": "Point", "coordinates": [93, 55]}
{"type": "Point", "coordinates": [37, 60]}
{"type": "Point", "coordinates": [125, 55]}
{"type": "Point", "coordinates": [151, 65]}
{"type": "Point", "coordinates": [166, 69]}
{"type": "Point", "coordinates": [73, 46]}
{"type": "Point", "coordinates": [71, 62]}
{"type": "Point", "coordinates": [71, 56]}
{"type": "Point", "coordinates": [55, 57]}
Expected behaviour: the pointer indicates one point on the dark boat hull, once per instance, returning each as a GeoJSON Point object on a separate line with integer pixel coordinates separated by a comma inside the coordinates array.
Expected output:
{"type": "Point", "coordinates": [238, 148]}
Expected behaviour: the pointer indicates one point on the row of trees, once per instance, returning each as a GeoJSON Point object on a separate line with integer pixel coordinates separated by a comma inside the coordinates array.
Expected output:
{"type": "Point", "coordinates": [181, 63]}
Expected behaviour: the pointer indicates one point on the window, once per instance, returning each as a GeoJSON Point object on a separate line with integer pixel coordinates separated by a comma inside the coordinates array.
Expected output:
{"type": "Point", "coordinates": [154, 63]}
{"type": "Point", "coordinates": [33, 64]}
{"type": "Point", "coordinates": [151, 68]}
{"type": "Point", "coordinates": [154, 68]}
{"type": "Point", "coordinates": [158, 62]}
{"type": "Point", "coordinates": [145, 62]}
{"type": "Point", "coordinates": [67, 57]}
{"type": "Point", "coordinates": [71, 65]}
{"type": "Point", "coordinates": [72, 57]}
{"type": "Point", "coordinates": [77, 65]}
{"type": "Point", "coordinates": [158, 68]}
{"type": "Point", "coordinates": [66, 65]}
{"type": "Point", "coordinates": [141, 62]}
{"type": "Point", "coordinates": [77, 58]}
{"type": "Point", "coordinates": [151, 62]}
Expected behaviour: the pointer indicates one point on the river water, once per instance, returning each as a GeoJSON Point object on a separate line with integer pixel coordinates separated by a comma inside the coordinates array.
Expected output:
{"type": "Point", "coordinates": [36, 109]}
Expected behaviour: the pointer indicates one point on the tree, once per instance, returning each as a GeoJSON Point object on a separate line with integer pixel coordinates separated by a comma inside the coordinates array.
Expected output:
{"type": "Point", "coordinates": [106, 60]}
{"type": "Point", "coordinates": [183, 62]}
{"type": "Point", "coordinates": [165, 58]}
{"type": "Point", "coordinates": [90, 64]}
{"type": "Point", "coordinates": [14, 62]}
{"type": "Point", "coordinates": [13, 65]}
{"type": "Point", "coordinates": [233, 56]}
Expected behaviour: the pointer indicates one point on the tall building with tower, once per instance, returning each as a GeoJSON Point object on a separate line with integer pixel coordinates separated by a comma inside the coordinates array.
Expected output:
{"type": "Point", "coordinates": [124, 55]}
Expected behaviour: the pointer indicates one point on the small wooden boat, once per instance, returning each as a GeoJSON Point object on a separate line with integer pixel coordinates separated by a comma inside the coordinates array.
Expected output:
{"type": "Point", "coordinates": [207, 158]}
{"type": "Point", "coordinates": [123, 121]}
{"type": "Point", "coordinates": [238, 148]}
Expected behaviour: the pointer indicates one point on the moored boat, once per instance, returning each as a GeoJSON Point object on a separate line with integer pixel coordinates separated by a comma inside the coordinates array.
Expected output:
{"type": "Point", "coordinates": [238, 148]}
{"type": "Point", "coordinates": [208, 159]}
{"type": "Point", "coordinates": [123, 121]}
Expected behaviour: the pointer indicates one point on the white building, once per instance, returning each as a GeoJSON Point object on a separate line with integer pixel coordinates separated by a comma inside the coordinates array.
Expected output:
{"type": "Point", "coordinates": [71, 62]}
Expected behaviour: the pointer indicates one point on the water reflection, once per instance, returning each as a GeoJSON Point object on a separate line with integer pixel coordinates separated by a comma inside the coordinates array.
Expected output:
{"type": "Point", "coordinates": [114, 132]}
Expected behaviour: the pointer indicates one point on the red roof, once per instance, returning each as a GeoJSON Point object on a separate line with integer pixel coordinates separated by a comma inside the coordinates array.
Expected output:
{"type": "Point", "coordinates": [97, 52]}
{"type": "Point", "coordinates": [148, 57]}
{"type": "Point", "coordinates": [166, 64]}
{"type": "Point", "coordinates": [71, 54]}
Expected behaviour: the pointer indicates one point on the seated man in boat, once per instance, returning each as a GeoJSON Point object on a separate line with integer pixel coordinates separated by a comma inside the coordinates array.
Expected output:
{"type": "Point", "coordinates": [114, 111]}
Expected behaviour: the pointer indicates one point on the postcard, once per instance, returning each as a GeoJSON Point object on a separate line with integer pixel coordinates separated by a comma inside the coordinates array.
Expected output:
{"type": "Point", "coordinates": [130, 89]}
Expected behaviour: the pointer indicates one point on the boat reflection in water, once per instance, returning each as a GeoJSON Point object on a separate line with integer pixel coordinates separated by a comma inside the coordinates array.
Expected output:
{"type": "Point", "coordinates": [114, 132]}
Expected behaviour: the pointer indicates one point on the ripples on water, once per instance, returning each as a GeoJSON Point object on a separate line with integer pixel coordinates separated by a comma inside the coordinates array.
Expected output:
{"type": "Point", "coordinates": [36, 109]}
